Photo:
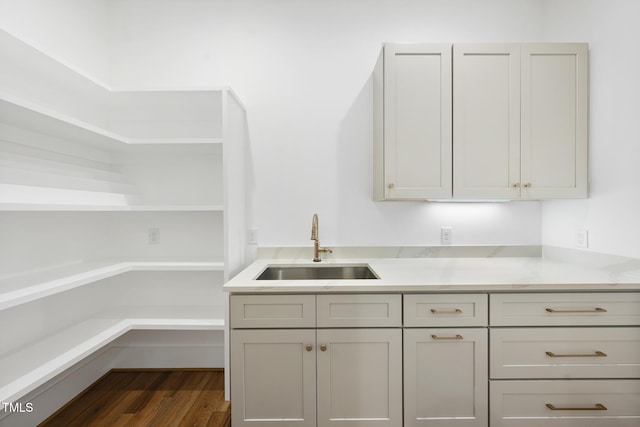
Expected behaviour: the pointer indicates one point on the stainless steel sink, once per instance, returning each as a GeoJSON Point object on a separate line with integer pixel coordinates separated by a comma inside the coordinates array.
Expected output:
{"type": "Point", "coordinates": [330, 272]}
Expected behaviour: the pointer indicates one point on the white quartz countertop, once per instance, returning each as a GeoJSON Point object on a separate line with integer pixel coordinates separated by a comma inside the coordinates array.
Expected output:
{"type": "Point", "coordinates": [450, 275]}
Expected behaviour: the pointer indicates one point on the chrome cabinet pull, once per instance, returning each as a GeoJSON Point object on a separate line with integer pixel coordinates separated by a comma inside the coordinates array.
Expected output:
{"type": "Point", "coordinates": [457, 337]}
{"type": "Point", "coordinates": [308, 347]}
{"type": "Point", "coordinates": [456, 311]}
{"type": "Point", "coordinates": [597, 407]}
{"type": "Point", "coordinates": [594, 310]}
{"type": "Point", "coordinates": [596, 354]}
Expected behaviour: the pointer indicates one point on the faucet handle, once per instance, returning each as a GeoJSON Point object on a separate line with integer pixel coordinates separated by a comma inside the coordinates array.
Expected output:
{"type": "Point", "coordinates": [314, 227]}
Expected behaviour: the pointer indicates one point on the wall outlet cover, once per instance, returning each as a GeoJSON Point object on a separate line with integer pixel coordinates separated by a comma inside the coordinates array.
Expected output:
{"type": "Point", "coordinates": [252, 236]}
{"type": "Point", "coordinates": [582, 239]}
{"type": "Point", "coordinates": [154, 236]}
{"type": "Point", "coordinates": [446, 235]}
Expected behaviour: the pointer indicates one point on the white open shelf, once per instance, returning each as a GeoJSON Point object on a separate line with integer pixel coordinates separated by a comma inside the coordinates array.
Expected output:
{"type": "Point", "coordinates": [111, 208]}
{"type": "Point", "coordinates": [66, 142]}
{"type": "Point", "coordinates": [73, 154]}
{"type": "Point", "coordinates": [18, 290]}
{"type": "Point", "coordinates": [30, 367]}
{"type": "Point", "coordinates": [20, 113]}
{"type": "Point", "coordinates": [32, 178]}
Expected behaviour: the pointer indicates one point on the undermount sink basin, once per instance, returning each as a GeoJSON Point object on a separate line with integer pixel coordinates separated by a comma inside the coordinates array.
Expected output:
{"type": "Point", "coordinates": [320, 272]}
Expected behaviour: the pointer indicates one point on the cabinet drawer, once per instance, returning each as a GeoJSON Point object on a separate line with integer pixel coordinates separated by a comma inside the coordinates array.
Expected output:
{"type": "Point", "coordinates": [565, 309]}
{"type": "Point", "coordinates": [445, 310]}
{"type": "Point", "coordinates": [365, 310]}
{"type": "Point", "coordinates": [565, 353]}
{"type": "Point", "coordinates": [575, 403]}
{"type": "Point", "coordinates": [272, 311]}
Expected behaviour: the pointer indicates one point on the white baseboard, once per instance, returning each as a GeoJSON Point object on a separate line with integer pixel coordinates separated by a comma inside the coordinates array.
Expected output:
{"type": "Point", "coordinates": [54, 394]}
{"type": "Point", "coordinates": [168, 349]}
{"type": "Point", "coordinates": [134, 350]}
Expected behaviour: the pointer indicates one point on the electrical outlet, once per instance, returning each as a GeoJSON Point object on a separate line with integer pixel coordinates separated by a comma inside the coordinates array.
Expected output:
{"type": "Point", "coordinates": [446, 235]}
{"type": "Point", "coordinates": [252, 236]}
{"type": "Point", "coordinates": [582, 239]}
{"type": "Point", "coordinates": [154, 236]}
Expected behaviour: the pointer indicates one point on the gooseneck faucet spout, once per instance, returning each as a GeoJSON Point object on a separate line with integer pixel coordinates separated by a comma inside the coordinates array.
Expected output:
{"type": "Point", "coordinates": [316, 241]}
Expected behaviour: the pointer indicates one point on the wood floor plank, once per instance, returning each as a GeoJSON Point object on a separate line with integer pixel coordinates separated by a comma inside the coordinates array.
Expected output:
{"type": "Point", "coordinates": [209, 402]}
{"type": "Point", "coordinates": [180, 401]}
{"type": "Point", "coordinates": [161, 399]}
{"type": "Point", "coordinates": [188, 398]}
{"type": "Point", "coordinates": [91, 402]}
{"type": "Point", "coordinates": [133, 398]}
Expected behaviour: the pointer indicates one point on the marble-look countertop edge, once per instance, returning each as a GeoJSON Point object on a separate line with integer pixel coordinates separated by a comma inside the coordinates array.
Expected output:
{"type": "Point", "coordinates": [526, 274]}
{"type": "Point", "coordinates": [479, 288]}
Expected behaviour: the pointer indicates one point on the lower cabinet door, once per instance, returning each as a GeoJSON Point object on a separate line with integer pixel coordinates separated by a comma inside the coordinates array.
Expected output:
{"type": "Point", "coordinates": [273, 377]}
{"type": "Point", "coordinates": [565, 403]}
{"type": "Point", "coordinates": [359, 377]}
{"type": "Point", "coordinates": [445, 377]}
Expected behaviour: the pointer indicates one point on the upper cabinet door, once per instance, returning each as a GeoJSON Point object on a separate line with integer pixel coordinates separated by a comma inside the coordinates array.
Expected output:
{"type": "Point", "coordinates": [413, 105]}
{"type": "Point", "coordinates": [554, 120]}
{"type": "Point", "coordinates": [486, 111]}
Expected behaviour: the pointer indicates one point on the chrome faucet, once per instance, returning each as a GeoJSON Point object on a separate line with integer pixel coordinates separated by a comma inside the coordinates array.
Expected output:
{"type": "Point", "coordinates": [316, 243]}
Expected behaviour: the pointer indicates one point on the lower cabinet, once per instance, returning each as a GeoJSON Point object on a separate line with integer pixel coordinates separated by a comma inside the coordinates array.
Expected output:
{"type": "Point", "coordinates": [565, 359]}
{"type": "Point", "coordinates": [359, 377]}
{"type": "Point", "coordinates": [433, 360]}
{"type": "Point", "coordinates": [566, 403]}
{"type": "Point", "coordinates": [273, 377]}
{"type": "Point", "coordinates": [353, 375]}
{"type": "Point", "coordinates": [445, 377]}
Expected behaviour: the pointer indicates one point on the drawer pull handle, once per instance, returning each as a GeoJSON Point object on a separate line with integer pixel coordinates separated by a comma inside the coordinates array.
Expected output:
{"type": "Point", "coordinates": [457, 337]}
{"type": "Point", "coordinates": [456, 311]}
{"type": "Point", "coordinates": [597, 407]}
{"type": "Point", "coordinates": [323, 347]}
{"type": "Point", "coordinates": [308, 347]}
{"type": "Point", "coordinates": [596, 354]}
{"type": "Point", "coordinates": [595, 310]}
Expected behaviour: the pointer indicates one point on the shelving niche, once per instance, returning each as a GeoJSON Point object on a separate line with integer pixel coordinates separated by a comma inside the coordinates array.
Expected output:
{"type": "Point", "coordinates": [87, 174]}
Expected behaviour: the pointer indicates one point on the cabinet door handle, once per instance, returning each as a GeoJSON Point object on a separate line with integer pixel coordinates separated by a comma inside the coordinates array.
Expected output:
{"type": "Point", "coordinates": [596, 354]}
{"type": "Point", "coordinates": [456, 337]}
{"type": "Point", "coordinates": [323, 347]}
{"type": "Point", "coordinates": [391, 185]}
{"type": "Point", "coordinates": [597, 407]}
{"type": "Point", "coordinates": [308, 347]}
{"type": "Point", "coordinates": [528, 185]}
{"type": "Point", "coordinates": [516, 185]}
{"type": "Point", "coordinates": [456, 311]}
{"type": "Point", "coordinates": [594, 310]}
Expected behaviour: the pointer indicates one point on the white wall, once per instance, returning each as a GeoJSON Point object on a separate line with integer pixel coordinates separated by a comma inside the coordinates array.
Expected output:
{"type": "Point", "coordinates": [75, 31]}
{"type": "Point", "coordinates": [611, 214]}
{"type": "Point", "coordinates": [30, 241]}
{"type": "Point", "coordinates": [303, 69]}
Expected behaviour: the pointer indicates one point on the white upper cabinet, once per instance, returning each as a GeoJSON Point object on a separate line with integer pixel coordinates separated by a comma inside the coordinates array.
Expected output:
{"type": "Point", "coordinates": [412, 116]}
{"type": "Point", "coordinates": [554, 120]}
{"type": "Point", "coordinates": [520, 121]}
{"type": "Point", "coordinates": [486, 108]}
{"type": "Point", "coordinates": [486, 121]}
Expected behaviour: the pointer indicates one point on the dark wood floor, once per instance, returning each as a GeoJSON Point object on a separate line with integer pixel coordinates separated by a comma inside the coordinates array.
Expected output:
{"type": "Point", "coordinates": [149, 398]}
